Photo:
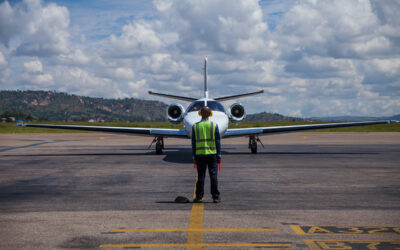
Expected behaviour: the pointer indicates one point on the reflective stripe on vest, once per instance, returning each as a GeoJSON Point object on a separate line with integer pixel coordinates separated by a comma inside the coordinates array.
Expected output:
{"type": "Point", "coordinates": [205, 138]}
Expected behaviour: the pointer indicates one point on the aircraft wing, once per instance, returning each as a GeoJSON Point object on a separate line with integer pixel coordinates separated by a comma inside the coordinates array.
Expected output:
{"type": "Point", "coordinates": [178, 133]}
{"type": "Point", "coordinates": [286, 129]}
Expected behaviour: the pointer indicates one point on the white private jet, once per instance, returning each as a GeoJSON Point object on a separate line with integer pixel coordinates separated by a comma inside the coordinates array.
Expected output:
{"type": "Point", "coordinates": [176, 114]}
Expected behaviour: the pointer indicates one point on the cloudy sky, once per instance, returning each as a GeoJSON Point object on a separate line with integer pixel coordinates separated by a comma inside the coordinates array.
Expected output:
{"type": "Point", "coordinates": [312, 58]}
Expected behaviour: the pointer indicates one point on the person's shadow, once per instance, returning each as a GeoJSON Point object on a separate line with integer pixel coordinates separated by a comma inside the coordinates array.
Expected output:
{"type": "Point", "coordinates": [178, 155]}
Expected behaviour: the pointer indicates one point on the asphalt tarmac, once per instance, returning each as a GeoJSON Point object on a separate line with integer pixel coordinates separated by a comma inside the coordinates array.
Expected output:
{"type": "Point", "coordinates": [102, 191]}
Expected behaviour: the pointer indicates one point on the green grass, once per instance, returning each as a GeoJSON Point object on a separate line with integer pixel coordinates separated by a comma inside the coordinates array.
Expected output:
{"type": "Point", "coordinates": [11, 128]}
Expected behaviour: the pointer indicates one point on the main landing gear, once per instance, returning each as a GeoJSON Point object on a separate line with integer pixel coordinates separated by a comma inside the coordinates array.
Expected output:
{"type": "Point", "coordinates": [159, 140]}
{"type": "Point", "coordinates": [253, 143]}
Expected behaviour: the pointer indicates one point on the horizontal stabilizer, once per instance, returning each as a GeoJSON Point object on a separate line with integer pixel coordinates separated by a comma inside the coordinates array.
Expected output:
{"type": "Point", "coordinates": [225, 98]}
{"type": "Point", "coordinates": [182, 98]}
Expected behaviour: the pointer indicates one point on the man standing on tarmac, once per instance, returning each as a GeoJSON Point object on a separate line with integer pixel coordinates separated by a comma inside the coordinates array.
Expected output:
{"type": "Point", "coordinates": [206, 149]}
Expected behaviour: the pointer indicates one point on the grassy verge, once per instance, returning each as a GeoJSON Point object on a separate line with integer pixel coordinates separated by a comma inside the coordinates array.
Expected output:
{"type": "Point", "coordinates": [11, 128]}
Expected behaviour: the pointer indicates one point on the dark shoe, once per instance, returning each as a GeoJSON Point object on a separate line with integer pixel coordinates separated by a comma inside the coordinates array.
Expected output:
{"type": "Point", "coordinates": [196, 200]}
{"type": "Point", "coordinates": [217, 200]}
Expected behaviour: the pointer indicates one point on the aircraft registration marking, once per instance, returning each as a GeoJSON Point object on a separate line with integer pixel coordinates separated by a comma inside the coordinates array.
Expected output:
{"type": "Point", "coordinates": [201, 245]}
{"type": "Point", "coordinates": [196, 230]}
{"type": "Point", "coordinates": [343, 230]}
{"type": "Point", "coordinates": [352, 244]}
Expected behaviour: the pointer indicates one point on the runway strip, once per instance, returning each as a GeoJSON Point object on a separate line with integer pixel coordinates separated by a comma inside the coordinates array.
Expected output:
{"type": "Point", "coordinates": [302, 191]}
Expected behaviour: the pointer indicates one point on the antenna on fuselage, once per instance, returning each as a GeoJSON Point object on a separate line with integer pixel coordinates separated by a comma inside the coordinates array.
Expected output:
{"type": "Point", "coordinates": [205, 79]}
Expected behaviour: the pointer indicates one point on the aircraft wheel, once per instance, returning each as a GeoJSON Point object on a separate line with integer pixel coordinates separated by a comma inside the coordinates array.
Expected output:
{"type": "Point", "coordinates": [254, 149]}
{"type": "Point", "coordinates": [253, 144]}
{"type": "Point", "coordinates": [158, 151]}
{"type": "Point", "coordinates": [159, 145]}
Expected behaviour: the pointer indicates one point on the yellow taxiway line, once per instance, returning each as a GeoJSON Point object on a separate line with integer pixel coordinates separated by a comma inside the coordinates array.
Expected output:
{"type": "Point", "coordinates": [201, 245]}
{"type": "Point", "coordinates": [195, 238]}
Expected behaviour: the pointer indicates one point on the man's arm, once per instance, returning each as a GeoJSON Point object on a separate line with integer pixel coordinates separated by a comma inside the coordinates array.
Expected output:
{"type": "Point", "coordinates": [193, 144]}
{"type": "Point", "coordinates": [218, 141]}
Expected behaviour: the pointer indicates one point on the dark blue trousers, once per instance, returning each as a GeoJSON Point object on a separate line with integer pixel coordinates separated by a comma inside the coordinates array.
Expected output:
{"type": "Point", "coordinates": [202, 163]}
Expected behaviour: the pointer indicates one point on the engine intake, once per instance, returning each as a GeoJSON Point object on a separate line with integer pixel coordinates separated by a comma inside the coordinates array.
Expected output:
{"type": "Point", "coordinates": [237, 112]}
{"type": "Point", "coordinates": [175, 113]}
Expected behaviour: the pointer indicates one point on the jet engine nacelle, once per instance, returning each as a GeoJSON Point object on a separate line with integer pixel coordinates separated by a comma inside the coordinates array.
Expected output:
{"type": "Point", "coordinates": [236, 112]}
{"type": "Point", "coordinates": [175, 112]}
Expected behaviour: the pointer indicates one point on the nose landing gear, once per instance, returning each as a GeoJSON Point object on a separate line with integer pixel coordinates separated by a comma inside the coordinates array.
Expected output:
{"type": "Point", "coordinates": [253, 143]}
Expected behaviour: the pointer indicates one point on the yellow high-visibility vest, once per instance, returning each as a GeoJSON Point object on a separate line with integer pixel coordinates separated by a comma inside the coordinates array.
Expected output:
{"type": "Point", "coordinates": [204, 132]}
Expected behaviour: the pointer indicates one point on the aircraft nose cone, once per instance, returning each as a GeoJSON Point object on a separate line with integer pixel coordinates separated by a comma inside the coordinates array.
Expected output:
{"type": "Point", "coordinates": [218, 117]}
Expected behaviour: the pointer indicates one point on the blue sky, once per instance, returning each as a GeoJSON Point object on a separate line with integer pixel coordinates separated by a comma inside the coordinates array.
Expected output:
{"type": "Point", "coordinates": [312, 58]}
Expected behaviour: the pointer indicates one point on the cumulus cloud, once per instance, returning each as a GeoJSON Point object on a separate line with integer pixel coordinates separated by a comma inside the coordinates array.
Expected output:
{"type": "Point", "coordinates": [8, 24]}
{"type": "Point", "coordinates": [218, 26]}
{"type": "Point", "coordinates": [138, 88]}
{"type": "Point", "coordinates": [37, 30]}
{"type": "Point", "coordinates": [312, 58]}
{"type": "Point", "coordinates": [387, 13]}
{"type": "Point", "coordinates": [78, 81]}
{"type": "Point", "coordinates": [123, 73]}
{"type": "Point", "coordinates": [339, 29]}
{"type": "Point", "coordinates": [137, 38]}
{"type": "Point", "coordinates": [74, 57]}
{"type": "Point", "coordinates": [33, 66]}
{"type": "Point", "coordinates": [3, 61]}
{"type": "Point", "coordinates": [43, 79]}
{"type": "Point", "coordinates": [37, 81]}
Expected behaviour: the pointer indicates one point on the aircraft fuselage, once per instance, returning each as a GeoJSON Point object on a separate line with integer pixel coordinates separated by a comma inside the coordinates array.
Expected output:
{"type": "Point", "coordinates": [219, 117]}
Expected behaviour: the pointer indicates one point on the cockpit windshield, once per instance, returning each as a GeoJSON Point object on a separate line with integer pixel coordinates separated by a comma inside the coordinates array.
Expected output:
{"type": "Point", "coordinates": [215, 106]}
{"type": "Point", "coordinates": [197, 105]}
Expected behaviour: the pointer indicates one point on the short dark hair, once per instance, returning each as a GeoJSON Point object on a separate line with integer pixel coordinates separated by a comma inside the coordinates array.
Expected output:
{"type": "Point", "coordinates": [205, 112]}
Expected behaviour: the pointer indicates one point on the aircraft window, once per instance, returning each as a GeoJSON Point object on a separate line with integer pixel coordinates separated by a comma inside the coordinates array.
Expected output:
{"type": "Point", "coordinates": [196, 106]}
{"type": "Point", "coordinates": [216, 106]}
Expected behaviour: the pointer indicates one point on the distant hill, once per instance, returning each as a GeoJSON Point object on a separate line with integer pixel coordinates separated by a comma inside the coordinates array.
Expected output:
{"type": "Point", "coordinates": [54, 106]}
{"type": "Point", "coordinates": [270, 117]}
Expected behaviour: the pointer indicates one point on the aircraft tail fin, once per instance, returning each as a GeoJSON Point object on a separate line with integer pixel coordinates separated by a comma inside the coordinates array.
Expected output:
{"type": "Point", "coordinates": [191, 99]}
{"type": "Point", "coordinates": [225, 98]}
{"type": "Point", "coordinates": [205, 79]}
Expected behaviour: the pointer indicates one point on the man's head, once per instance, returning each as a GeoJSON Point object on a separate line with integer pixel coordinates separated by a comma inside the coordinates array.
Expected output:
{"type": "Point", "coordinates": [205, 112]}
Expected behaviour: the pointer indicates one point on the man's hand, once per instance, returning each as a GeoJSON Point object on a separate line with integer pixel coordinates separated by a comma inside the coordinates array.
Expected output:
{"type": "Point", "coordinates": [218, 158]}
